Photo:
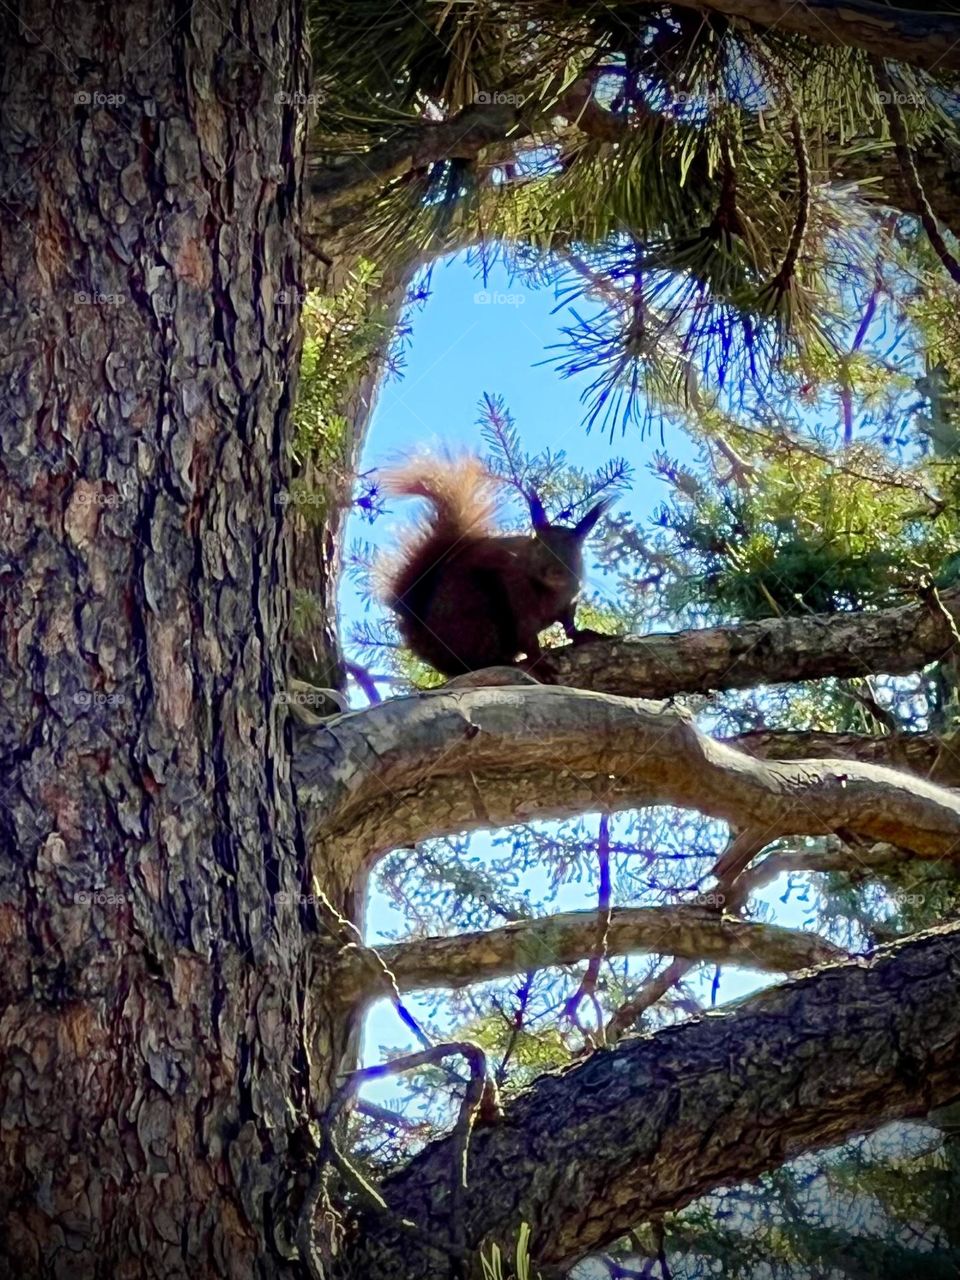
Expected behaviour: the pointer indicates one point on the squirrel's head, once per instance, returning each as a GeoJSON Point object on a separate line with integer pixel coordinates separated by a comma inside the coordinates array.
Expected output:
{"type": "Point", "coordinates": [563, 544]}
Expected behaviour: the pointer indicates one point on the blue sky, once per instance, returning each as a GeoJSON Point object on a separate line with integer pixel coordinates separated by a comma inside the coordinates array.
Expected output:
{"type": "Point", "coordinates": [471, 337]}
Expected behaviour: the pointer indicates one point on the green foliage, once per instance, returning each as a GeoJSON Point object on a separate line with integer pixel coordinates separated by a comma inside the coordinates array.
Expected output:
{"type": "Point", "coordinates": [805, 534]}
{"type": "Point", "coordinates": [532, 1051]}
{"type": "Point", "coordinates": [722, 284]}
{"type": "Point", "coordinates": [344, 335]}
{"type": "Point", "coordinates": [492, 1263]}
{"type": "Point", "coordinates": [694, 190]}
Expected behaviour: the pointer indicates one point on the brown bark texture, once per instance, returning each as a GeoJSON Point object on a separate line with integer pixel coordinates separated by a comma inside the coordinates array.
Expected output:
{"type": "Point", "coordinates": [891, 641]}
{"type": "Point", "coordinates": [643, 1129]}
{"type": "Point", "coordinates": [156, 1027]}
{"type": "Point", "coordinates": [697, 932]}
{"type": "Point", "coordinates": [443, 762]}
{"type": "Point", "coordinates": [165, 1036]}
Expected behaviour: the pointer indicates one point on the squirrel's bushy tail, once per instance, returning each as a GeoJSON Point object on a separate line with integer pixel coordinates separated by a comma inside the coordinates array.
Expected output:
{"type": "Point", "coordinates": [462, 496]}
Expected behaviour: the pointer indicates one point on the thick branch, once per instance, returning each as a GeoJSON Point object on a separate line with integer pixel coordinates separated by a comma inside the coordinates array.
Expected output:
{"type": "Point", "coordinates": [835, 857]}
{"type": "Point", "coordinates": [648, 1127]}
{"type": "Point", "coordinates": [412, 147]}
{"type": "Point", "coordinates": [441, 762]}
{"type": "Point", "coordinates": [773, 651]}
{"type": "Point", "coordinates": [936, 759]}
{"type": "Point", "coordinates": [338, 190]}
{"type": "Point", "coordinates": [924, 36]}
{"type": "Point", "coordinates": [695, 932]}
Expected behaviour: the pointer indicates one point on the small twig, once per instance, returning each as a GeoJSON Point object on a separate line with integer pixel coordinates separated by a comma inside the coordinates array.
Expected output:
{"type": "Point", "coordinates": [347, 933]}
{"type": "Point", "coordinates": [523, 997]}
{"type": "Point", "coordinates": [904, 154]}
{"type": "Point", "coordinates": [727, 870]}
{"type": "Point", "coordinates": [873, 708]}
{"type": "Point", "coordinates": [740, 852]}
{"type": "Point", "coordinates": [651, 991]}
{"type": "Point", "coordinates": [931, 596]}
{"type": "Point", "coordinates": [365, 680]}
{"type": "Point", "coordinates": [309, 243]}
{"type": "Point", "coordinates": [393, 1119]}
{"type": "Point", "coordinates": [781, 281]}
{"type": "Point", "coordinates": [778, 286]}
{"type": "Point", "coordinates": [480, 1093]}
{"type": "Point", "coordinates": [588, 984]}
{"type": "Point", "coordinates": [741, 471]}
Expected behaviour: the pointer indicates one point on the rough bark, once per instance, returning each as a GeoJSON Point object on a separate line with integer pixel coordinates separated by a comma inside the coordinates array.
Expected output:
{"type": "Point", "coordinates": [644, 1129]}
{"type": "Point", "coordinates": [443, 762]}
{"type": "Point", "coordinates": [156, 1021]}
{"type": "Point", "coordinates": [936, 759]}
{"type": "Point", "coordinates": [695, 932]}
{"type": "Point", "coordinates": [776, 650]}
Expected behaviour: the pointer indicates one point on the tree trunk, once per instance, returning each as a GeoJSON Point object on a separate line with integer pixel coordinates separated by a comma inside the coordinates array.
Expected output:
{"type": "Point", "coordinates": [316, 652]}
{"type": "Point", "coordinates": [158, 1045]}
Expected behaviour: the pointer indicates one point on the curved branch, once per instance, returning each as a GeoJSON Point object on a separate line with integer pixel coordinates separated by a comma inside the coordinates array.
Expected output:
{"type": "Point", "coordinates": [834, 857]}
{"type": "Point", "coordinates": [651, 1125]}
{"type": "Point", "coordinates": [905, 157]}
{"type": "Point", "coordinates": [773, 651]}
{"type": "Point", "coordinates": [442, 762]}
{"type": "Point", "coordinates": [696, 933]}
{"type": "Point", "coordinates": [338, 191]}
{"type": "Point", "coordinates": [412, 147]}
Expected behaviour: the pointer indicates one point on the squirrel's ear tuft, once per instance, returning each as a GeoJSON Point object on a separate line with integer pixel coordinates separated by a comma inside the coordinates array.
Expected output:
{"type": "Point", "coordinates": [537, 513]}
{"type": "Point", "coordinates": [583, 527]}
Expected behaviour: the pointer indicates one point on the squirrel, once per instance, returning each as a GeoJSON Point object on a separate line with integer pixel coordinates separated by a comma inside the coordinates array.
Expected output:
{"type": "Point", "coordinates": [467, 597]}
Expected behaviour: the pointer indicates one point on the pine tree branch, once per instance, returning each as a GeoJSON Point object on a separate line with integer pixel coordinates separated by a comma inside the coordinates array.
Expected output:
{"type": "Point", "coordinates": [924, 36]}
{"type": "Point", "coordinates": [695, 932]}
{"type": "Point", "coordinates": [649, 1126]}
{"type": "Point", "coordinates": [444, 762]}
{"type": "Point", "coordinates": [925, 754]}
{"type": "Point", "coordinates": [773, 651]}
